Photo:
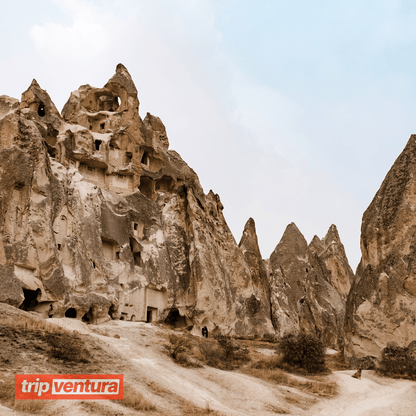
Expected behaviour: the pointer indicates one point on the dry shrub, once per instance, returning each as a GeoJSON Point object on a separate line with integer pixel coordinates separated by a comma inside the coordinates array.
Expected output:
{"type": "Point", "coordinates": [276, 375]}
{"type": "Point", "coordinates": [212, 354]}
{"type": "Point", "coordinates": [190, 409]}
{"type": "Point", "coordinates": [158, 389]}
{"type": "Point", "coordinates": [398, 361]}
{"type": "Point", "coordinates": [220, 352]}
{"type": "Point", "coordinates": [271, 369]}
{"type": "Point", "coordinates": [68, 347]}
{"type": "Point", "coordinates": [135, 400]}
{"type": "Point", "coordinates": [303, 351]}
{"type": "Point", "coordinates": [181, 350]}
{"type": "Point", "coordinates": [7, 398]}
{"type": "Point", "coordinates": [234, 354]}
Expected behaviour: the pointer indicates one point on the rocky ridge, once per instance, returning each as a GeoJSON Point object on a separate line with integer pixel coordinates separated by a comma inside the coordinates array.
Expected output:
{"type": "Point", "coordinates": [100, 220]}
{"type": "Point", "coordinates": [381, 306]}
{"type": "Point", "coordinates": [309, 285]}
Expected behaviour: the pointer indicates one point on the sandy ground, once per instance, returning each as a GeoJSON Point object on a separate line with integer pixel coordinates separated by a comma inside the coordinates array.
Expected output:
{"type": "Point", "coordinates": [148, 369]}
{"type": "Point", "coordinates": [370, 396]}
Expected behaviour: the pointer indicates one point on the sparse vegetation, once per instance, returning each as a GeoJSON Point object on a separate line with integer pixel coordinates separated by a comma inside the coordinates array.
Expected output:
{"type": "Point", "coordinates": [180, 350]}
{"type": "Point", "coordinates": [135, 400]}
{"type": "Point", "coordinates": [303, 352]}
{"type": "Point", "coordinates": [398, 361]}
{"type": "Point", "coordinates": [190, 409]}
{"type": "Point", "coordinates": [68, 347]}
{"type": "Point", "coordinates": [7, 398]}
{"type": "Point", "coordinates": [234, 354]}
{"type": "Point", "coordinates": [270, 369]}
{"type": "Point", "coordinates": [220, 352]}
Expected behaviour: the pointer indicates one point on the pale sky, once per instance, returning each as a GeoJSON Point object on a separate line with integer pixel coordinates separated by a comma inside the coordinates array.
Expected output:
{"type": "Point", "coordinates": [292, 111]}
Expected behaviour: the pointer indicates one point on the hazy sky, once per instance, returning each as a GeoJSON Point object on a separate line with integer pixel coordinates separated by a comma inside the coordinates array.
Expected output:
{"type": "Point", "coordinates": [292, 111]}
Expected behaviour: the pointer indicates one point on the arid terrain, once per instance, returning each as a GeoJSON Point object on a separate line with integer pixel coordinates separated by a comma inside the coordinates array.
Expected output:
{"type": "Point", "coordinates": [153, 381]}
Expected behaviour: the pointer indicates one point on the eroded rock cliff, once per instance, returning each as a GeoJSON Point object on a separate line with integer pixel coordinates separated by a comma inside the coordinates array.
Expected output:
{"type": "Point", "coordinates": [309, 284]}
{"type": "Point", "coordinates": [100, 219]}
{"type": "Point", "coordinates": [381, 306]}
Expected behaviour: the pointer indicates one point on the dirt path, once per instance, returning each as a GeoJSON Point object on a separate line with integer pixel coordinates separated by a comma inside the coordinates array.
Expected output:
{"type": "Point", "coordinates": [370, 396]}
{"type": "Point", "coordinates": [230, 393]}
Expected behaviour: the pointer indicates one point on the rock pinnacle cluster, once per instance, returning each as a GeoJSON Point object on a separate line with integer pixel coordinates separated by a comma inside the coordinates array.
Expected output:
{"type": "Point", "coordinates": [100, 220]}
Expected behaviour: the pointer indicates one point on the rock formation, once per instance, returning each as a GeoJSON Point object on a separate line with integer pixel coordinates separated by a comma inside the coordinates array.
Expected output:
{"type": "Point", "coordinates": [381, 306]}
{"type": "Point", "coordinates": [100, 219]}
{"type": "Point", "coordinates": [309, 285]}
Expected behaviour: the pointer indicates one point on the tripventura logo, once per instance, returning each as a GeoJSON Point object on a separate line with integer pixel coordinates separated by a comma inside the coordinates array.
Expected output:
{"type": "Point", "coordinates": [69, 386]}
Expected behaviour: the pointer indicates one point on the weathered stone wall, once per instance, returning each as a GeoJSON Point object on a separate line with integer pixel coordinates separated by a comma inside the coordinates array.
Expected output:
{"type": "Point", "coordinates": [381, 306]}
{"type": "Point", "coordinates": [100, 219]}
{"type": "Point", "coordinates": [308, 285]}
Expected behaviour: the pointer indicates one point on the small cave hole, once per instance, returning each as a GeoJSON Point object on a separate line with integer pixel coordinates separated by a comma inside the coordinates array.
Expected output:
{"type": "Point", "coordinates": [90, 127]}
{"type": "Point", "coordinates": [71, 313]}
{"type": "Point", "coordinates": [175, 319]}
{"type": "Point", "coordinates": [88, 317]}
{"type": "Point", "coordinates": [31, 299]}
{"type": "Point", "coordinates": [112, 311]}
{"type": "Point", "coordinates": [102, 126]}
{"type": "Point", "coordinates": [93, 264]}
{"type": "Point", "coordinates": [137, 258]}
{"type": "Point", "coordinates": [117, 255]}
{"type": "Point", "coordinates": [59, 247]}
{"type": "Point", "coordinates": [41, 110]}
{"type": "Point", "coordinates": [51, 151]}
{"type": "Point", "coordinates": [146, 187]}
{"type": "Point", "coordinates": [145, 158]}
{"type": "Point", "coordinates": [97, 144]}
{"type": "Point", "coordinates": [135, 225]}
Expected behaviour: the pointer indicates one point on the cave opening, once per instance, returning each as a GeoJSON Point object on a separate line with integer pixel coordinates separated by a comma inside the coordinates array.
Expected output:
{"type": "Point", "coordinates": [175, 319]}
{"type": "Point", "coordinates": [41, 110]}
{"type": "Point", "coordinates": [112, 311]}
{"type": "Point", "coordinates": [145, 158]}
{"type": "Point", "coordinates": [88, 317]}
{"type": "Point", "coordinates": [146, 186]}
{"type": "Point", "coordinates": [71, 313]}
{"type": "Point", "coordinates": [31, 299]}
{"type": "Point", "coordinates": [97, 144]}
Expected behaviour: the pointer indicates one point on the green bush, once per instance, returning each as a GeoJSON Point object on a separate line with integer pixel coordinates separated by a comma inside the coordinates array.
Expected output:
{"type": "Point", "coordinates": [304, 351]}
{"type": "Point", "coordinates": [398, 361]}
{"type": "Point", "coordinates": [393, 360]}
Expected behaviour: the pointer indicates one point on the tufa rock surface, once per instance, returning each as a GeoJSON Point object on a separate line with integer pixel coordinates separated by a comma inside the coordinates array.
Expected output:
{"type": "Point", "coordinates": [101, 220]}
{"type": "Point", "coordinates": [309, 284]}
{"type": "Point", "coordinates": [381, 306]}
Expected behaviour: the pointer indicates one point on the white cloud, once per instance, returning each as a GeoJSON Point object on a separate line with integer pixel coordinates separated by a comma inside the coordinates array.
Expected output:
{"type": "Point", "coordinates": [87, 37]}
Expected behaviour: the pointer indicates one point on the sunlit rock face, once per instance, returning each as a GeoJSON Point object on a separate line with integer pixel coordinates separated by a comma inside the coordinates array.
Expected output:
{"type": "Point", "coordinates": [381, 306]}
{"type": "Point", "coordinates": [101, 220]}
{"type": "Point", "coordinates": [308, 285]}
